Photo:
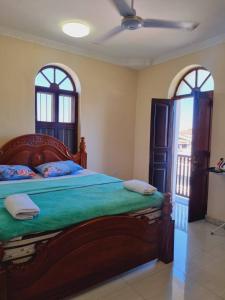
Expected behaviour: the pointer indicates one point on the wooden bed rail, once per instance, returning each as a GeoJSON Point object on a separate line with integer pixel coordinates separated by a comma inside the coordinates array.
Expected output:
{"type": "Point", "coordinates": [3, 285]}
{"type": "Point", "coordinates": [3, 281]}
{"type": "Point", "coordinates": [167, 231]}
{"type": "Point", "coordinates": [70, 262]}
{"type": "Point", "coordinates": [84, 254]}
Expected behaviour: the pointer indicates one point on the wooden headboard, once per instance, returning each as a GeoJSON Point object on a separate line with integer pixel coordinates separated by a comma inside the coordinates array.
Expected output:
{"type": "Point", "coordinates": [35, 149]}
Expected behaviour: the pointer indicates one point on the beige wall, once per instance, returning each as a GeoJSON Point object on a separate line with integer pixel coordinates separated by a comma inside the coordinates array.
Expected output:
{"type": "Point", "coordinates": [110, 97]}
{"type": "Point", "coordinates": [107, 102]}
{"type": "Point", "coordinates": [154, 82]}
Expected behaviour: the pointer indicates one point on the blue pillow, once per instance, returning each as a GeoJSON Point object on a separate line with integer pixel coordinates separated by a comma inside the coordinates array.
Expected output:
{"type": "Point", "coordinates": [58, 168]}
{"type": "Point", "coordinates": [15, 172]}
{"type": "Point", "coordinates": [73, 166]}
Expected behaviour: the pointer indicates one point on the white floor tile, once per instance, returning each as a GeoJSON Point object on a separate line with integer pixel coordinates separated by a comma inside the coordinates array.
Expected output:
{"type": "Point", "coordinates": [102, 290]}
{"type": "Point", "coordinates": [162, 284]}
{"type": "Point", "coordinates": [125, 294]}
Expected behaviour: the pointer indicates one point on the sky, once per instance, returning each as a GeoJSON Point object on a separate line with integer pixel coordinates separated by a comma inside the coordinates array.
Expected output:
{"type": "Point", "coordinates": [186, 113]}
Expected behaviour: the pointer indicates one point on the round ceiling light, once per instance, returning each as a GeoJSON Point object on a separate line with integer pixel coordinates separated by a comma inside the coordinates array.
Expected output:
{"type": "Point", "coordinates": [76, 29]}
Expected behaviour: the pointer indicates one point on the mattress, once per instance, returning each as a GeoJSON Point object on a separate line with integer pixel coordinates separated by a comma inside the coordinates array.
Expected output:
{"type": "Point", "coordinates": [70, 201]}
{"type": "Point", "coordinates": [22, 248]}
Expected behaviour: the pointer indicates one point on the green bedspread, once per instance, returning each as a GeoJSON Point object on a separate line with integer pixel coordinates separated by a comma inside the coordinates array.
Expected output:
{"type": "Point", "coordinates": [68, 201]}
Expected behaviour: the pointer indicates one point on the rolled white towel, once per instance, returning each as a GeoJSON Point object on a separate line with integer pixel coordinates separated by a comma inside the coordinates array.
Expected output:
{"type": "Point", "coordinates": [21, 207]}
{"type": "Point", "coordinates": [139, 186]}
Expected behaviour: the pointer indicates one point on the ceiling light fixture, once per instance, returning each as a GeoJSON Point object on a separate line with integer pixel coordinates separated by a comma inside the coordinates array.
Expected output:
{"type": "Point", "coordinates": [76, 29]}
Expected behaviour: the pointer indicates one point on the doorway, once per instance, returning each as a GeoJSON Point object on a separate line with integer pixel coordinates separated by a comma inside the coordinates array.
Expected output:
{"type": "Point", "coordinates": [181, 162]}
{"type": "Point", "coordinates": [180, 142]}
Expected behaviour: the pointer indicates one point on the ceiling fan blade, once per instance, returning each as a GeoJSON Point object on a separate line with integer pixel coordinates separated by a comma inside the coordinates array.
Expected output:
{"type": "Point", "coordinates": [123, 8]}
{"type": "Point", "coordinates": [154, 23]}
{"type": "Point", "coordinates": [109, 35]}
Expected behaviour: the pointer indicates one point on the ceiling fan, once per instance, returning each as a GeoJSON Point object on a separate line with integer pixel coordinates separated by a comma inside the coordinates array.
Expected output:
{"type": "Point", "coordinates": [131, 21]}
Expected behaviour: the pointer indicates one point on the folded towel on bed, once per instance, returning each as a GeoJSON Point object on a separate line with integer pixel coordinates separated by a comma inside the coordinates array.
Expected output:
{"type": "Point", "coordinates": [139, 186]}
{"type": "Point", "coordinates": [21, 207]}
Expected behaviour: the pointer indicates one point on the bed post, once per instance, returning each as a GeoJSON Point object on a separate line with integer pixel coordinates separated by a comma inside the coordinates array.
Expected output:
{"type": "Point", "coordinates": [3, 286]}
{"type": "Point", "coordinates": [167, 231]}
{"type": "Point", "coordinates": [83, 153]}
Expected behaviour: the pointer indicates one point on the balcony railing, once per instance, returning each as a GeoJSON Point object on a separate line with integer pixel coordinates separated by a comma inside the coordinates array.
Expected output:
{"type": "Point", "coordinates": [183, 175]}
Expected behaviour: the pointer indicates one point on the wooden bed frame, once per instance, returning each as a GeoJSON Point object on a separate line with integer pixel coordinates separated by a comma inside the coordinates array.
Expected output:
{"type": "Point", "coordinates": [87, 253]}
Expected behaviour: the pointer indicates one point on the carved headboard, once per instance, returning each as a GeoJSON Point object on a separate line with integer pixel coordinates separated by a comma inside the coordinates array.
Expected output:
{"type": "Point", "coordinates": [35, 149]}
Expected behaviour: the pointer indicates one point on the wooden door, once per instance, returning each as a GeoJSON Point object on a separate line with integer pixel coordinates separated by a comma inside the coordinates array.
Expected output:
{"type": "Point", "coordinates": [202, 117]}
{"type": "Point", "coordinates": [161, 144]}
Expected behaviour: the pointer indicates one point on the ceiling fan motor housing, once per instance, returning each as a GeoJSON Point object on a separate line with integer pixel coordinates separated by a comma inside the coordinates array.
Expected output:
{"type": "Point", "coordinates": [132, 23]}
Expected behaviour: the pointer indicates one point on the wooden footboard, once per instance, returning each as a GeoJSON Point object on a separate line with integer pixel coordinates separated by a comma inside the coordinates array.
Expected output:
{"type": "Point", "coordinates": [87, 254]}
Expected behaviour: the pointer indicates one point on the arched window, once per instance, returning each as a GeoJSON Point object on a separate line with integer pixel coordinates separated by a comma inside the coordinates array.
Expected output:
{"type": "Point", "coordinates": [198, 79]}
{"type": "Point", "coordinates": [56, 105]}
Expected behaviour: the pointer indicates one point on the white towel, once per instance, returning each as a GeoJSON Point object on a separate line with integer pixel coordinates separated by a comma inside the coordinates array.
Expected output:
{"type": "Point", "coordinates": [139, 186]}
{"type": "Point", "coordinates": [21, 207]}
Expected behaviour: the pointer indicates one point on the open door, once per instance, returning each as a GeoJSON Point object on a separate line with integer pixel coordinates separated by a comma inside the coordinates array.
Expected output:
{"type": "Point", "coordinates": [161, 137]}
{"type": "Point", "coordinates": [202, 119]}
{"type": "Point", "coordinates": [161, 140]}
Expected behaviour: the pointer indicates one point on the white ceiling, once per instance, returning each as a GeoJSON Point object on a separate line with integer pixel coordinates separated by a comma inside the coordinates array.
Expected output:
{"type": "Point", "coordinates": [41, 20]}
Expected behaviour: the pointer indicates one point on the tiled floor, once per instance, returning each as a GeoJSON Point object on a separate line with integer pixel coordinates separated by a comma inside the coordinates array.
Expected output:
{"type": "Point", "coordinates": [197, 273]}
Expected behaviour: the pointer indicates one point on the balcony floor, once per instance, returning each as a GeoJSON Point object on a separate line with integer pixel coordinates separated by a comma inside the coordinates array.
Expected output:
{"type": "Point", "coordinates": [180, 212]}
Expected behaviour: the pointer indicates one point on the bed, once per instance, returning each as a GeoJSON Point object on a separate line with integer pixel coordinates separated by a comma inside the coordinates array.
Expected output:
{"type": "Point", "coordinates": [57, 263]}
